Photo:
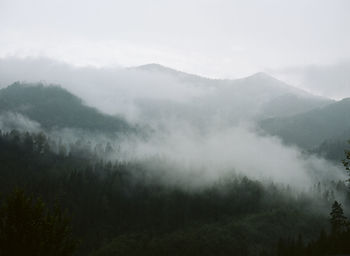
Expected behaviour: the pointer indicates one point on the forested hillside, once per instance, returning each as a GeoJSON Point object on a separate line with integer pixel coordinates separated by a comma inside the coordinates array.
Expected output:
{"type": "Point", "coordinates": [122, 209]}
{"type": "Point", "coordinates": [54, 107]}
{"type": "Point", "coordinates": [154, 204]}
{"type": "Point", "coordinates": [312, 128]}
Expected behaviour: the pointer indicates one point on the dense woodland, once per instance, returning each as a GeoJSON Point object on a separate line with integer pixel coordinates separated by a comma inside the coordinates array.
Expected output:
{"type": "Point", "coordinates": [118, 209]}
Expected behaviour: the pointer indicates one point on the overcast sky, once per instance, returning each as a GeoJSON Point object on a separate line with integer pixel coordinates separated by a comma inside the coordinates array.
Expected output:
{"type": "Point", "coordinates": [215, 38]}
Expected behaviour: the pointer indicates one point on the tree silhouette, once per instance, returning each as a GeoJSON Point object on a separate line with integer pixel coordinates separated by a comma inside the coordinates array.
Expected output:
{"type": "Point", "coordinates": [346, 161]}
{"type": "Point", "coordinates": [338, 221]}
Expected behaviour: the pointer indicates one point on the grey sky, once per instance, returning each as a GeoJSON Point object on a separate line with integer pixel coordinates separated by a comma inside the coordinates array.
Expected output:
{"type": "Point", "coordinates": [216, 38]}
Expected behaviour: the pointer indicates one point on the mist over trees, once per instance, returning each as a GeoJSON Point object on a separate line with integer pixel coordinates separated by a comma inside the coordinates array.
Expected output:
{"type": "Point", "coordinates": [180, 128]}
{"type": "Point", "coordinates": [202, 183]}
{"type": "Point", "coordinates": [122, 203]}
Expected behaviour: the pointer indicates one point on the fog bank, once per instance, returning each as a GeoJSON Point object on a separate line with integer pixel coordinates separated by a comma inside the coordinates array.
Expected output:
{"type": "Point", "coordinates": [186, 114]}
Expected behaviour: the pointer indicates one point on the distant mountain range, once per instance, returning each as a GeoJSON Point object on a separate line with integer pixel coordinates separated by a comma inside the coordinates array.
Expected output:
{"type": "Point", "coordinates": [255, 97]}
{"type": "Point", "coordinates": [313, 123]}
{"type": "Point", "coordinates": [182, 76]}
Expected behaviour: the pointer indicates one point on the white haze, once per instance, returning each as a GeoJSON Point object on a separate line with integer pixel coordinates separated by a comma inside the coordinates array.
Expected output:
{"type": "Point", "coordinates": [10, 121]}
{"type": "Point", "coordinates": [212, 152]}
{"type": "Point", "coordinates": [112, 90]}
{"type": "Point", "coordinates": [332, 80]}
{"type": "Point", "coordinates": [238, 150]}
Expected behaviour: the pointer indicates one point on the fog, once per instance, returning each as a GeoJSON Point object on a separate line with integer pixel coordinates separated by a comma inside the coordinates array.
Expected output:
{"type": "Point", "coordinates": [332, 80]}
{"type": "Point", "coordinates": [151, 93]}
{"type": "Point", "coordinates": [235, 150]}
{"type": "Point", "coordinates": [191, 131]}
{"type": "Point", "coordinates": [10, 121]}
{"type": "Point", "coordinates": [112, 90]}
{"type": "Point", "coordinates": [167, 127]}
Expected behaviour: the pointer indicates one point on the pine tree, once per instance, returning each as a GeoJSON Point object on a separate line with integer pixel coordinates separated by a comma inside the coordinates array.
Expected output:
{"type": "Point", "coordinates": [338, 221]}
{"type": "Point", "coordinates": [346, 161]}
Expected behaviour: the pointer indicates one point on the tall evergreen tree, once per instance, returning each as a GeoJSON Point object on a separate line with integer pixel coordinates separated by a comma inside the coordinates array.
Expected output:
{"type": "Point", "coordinates": [338, 220]}
{"type": "Point", "coordinates": [346, 161]}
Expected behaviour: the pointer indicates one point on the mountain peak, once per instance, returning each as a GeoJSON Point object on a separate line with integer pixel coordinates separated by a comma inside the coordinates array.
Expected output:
{"type": "Point", "coordinates": [181, 75]}
{"type": "Point", "coordinates": [262, 75]}
{"type": "Point", "coordinates": [155, 67]}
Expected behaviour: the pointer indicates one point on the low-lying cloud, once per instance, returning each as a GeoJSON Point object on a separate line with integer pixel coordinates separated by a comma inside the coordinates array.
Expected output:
{"type": "Point", "coordinates": [112, 90]}
{"type": "Point", "coordinates": [234, 150]}
{"type": "Point", "coordinates": [212, 152]}
{"type": "Point", "coordinates": [10, 121]}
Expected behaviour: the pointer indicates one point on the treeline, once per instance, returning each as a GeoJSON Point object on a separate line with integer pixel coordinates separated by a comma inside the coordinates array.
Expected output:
{"type": "Point", "coordinates": [336, 242]}
{"type": "Point", "coordinates": [118, 208]}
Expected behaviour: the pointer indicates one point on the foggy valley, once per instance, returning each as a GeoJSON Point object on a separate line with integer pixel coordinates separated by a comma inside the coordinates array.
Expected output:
{"type": "Point", "coordinates": [142, 144]}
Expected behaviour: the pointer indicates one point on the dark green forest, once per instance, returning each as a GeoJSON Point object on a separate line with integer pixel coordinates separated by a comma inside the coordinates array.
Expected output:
{"type": "Point", "coordinates": [118, 209]}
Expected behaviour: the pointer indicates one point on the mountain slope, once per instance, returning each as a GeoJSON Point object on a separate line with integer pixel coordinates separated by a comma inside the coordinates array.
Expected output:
{"type": "Point", "coordinates": [264, 96]}
{"type": "Point", "coordinates": [291, 104]}
{"type": "Point", "coordinates": [54, 107]}
{"type": "Point", "coordinates": [310, 129]}
{"type": "Point", "coordinates": [154, 67]}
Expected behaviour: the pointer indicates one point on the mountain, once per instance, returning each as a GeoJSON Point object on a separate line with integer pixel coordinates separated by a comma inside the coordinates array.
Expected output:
{"type": "Point", "coordinates": [292, 104]}
{"type": "Point", "coordinates": [54, 107]}
{"type": "Point", "coordinates": [310, 129]}
{"type": "Point", "coordinates": [262, 83]}
{"type": "Point", "coordinates": [153, 93]}
{"type": "Point", "coordinates": [258, 96]}
{"type": "Point", "coordinates": [180, 76]}
{"type": "Point", "coordinates": [266, 96]}
{"type": "Point", "coordinates": [334, 148]}
{"type": "Point", "coordinates": [162, 91]}
{"type": "Point", "coordinates": [153, 67]}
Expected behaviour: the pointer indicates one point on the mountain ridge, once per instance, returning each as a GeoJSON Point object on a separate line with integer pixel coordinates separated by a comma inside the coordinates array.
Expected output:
{"type": "Point", "coordinates": [259, 96]}
{"type": "Point", "coordinates": [54, 107]}
{"type": "Point", "coordinates": [329, 121]}
{"type": "Point", "coordinates": [256, 77]}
